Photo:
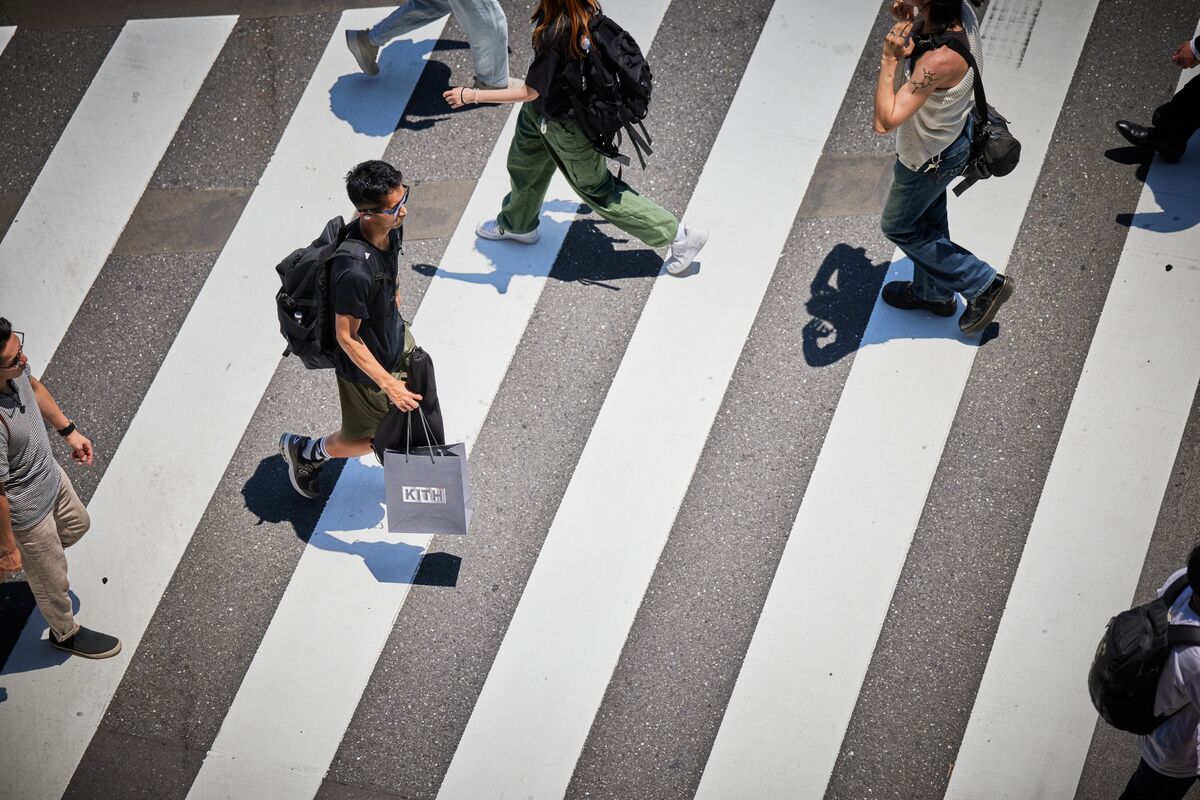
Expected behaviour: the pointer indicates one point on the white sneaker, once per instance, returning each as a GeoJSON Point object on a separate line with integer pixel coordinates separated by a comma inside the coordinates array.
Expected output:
{"type": "Point", "coordinates": [680, 255]}
{"type": "Point", "coordinates": [489, 229]}
{"type": "Point", "coordinates": [363, 51]}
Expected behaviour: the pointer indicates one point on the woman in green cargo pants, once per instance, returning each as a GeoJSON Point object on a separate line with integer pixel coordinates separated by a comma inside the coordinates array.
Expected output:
{"type": "Point", "coordinates": [547, 139]}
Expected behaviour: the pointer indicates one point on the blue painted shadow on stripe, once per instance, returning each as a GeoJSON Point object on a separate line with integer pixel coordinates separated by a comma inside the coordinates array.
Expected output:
{"type": "Point", "coordinates": [28, 659]}
{"type": "Point", "coordinates": [588, 256]}
{"type": "Point", "coordinates": [368, 102]}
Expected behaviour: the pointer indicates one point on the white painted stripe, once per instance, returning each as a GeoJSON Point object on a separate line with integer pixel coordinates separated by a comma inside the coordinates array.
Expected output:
{"type": "Point", "coordinates": [813, 643]}
{"type": "Point", "coordinates": [163, 476]}
{"type": "Point", "coordinates": [6, 34]}
{"type": "Point", "coordinates": [102, 163]}
{"type": "Point", "coordinates": [549, 676]}
{"type": "Point", "coordinates": [277, 733]}
{"type": "Point", "coordinates": [1032, 722]}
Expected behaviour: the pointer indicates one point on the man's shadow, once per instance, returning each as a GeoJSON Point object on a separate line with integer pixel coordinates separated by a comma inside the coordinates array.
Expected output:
{"type": "Point", "coordinates": [357, 508]}
{"type": "Point", "coordinates": [843, 294]}
{"type": "Point", "coordinates": [36, 654]}
{"type": "Point", "coordinates": [588, 255]}
{"type": "Point", "coordinates": [1173, 186]}
{"type": "Point", "coordinates": [368, 102]}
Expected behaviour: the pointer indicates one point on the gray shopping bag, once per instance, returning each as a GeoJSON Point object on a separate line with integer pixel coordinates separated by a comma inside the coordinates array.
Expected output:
{"type": "Point", "coordinates": [427, 489]}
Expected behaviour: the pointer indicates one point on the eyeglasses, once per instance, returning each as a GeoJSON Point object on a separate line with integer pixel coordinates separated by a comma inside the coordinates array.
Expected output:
{"type": "Point", "coordinates": [20, 349]}
{"type": "Point", "coordinates": [391, 212]}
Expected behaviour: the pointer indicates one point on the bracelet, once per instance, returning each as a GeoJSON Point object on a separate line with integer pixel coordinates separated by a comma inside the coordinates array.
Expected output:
{"type": "Point", "coordinates": [461, 89]}
{"type": "Point", "coordinates": [67, 431]}
{"type": "Point", "coordinates": [474, 97]}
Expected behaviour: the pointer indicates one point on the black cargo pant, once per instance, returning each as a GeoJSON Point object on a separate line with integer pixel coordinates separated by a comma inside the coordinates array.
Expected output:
{"type": "Point", "coordinates": [1146, 784]}
{"type": "Point", "coordinates": [1178, 119]}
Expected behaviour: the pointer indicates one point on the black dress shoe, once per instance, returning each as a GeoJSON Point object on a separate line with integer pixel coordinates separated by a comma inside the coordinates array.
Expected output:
{"type": "Point", "coordinates": [982, 310]}
{"type": "Point", "coordinates": [88, 643]}
{"type": "Point", "coordinates": [1136, 135]}
{"type": "Point", "coordinates": [1141, 136]}
{"type": "Point", "coordinates": [900, 295]}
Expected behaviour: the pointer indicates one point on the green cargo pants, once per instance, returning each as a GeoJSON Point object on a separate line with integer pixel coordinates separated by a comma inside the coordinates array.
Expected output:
{"type": "Point", "coordinates": [532, 158]}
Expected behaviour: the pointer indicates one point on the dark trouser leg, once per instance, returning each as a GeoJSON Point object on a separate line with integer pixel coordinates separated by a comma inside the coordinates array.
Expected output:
{"type": "Point", "coordinates": [1177, 119]}
{"type": "Point", "coordinates": [1146, 784]}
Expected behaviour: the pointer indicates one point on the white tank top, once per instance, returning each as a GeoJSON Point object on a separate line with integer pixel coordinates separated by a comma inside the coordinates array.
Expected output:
{"type": "Point", "coordinates": [940, 120]}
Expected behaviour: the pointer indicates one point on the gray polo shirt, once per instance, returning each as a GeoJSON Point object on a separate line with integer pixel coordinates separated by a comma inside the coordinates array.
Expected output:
{"type": "Point", "coordinates": [27, 466]}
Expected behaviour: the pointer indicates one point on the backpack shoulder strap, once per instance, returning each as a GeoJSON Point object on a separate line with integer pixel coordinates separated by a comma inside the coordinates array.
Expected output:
{"type": "Point", "coordinates": [1174, 590]}
{"type": "Point", "coordinates": [1183, 635]}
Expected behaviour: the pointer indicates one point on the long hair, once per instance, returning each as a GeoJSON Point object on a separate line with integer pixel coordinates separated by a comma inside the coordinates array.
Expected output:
{"type": "Point", "coordinates": [551, 17]}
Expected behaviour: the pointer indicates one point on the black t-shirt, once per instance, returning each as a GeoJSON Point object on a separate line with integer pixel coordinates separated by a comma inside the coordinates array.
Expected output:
{"type": "Point", "coordinates": [366, 290]}
{"type": "Point", "coordinates": [549, 61]}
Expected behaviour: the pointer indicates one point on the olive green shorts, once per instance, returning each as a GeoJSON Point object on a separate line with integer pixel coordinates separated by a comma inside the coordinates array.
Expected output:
{"type": "Point", "coordinates": [364, 404]}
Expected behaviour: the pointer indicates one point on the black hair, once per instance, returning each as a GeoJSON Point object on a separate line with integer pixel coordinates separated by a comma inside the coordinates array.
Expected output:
{"type": "Point", "coordinates": [369, 183]}
{"type": "Point", "coordinates": [5, 331]}
{"type": "Point", "coordinates": [941, 15]}
{"type": "Point", "coordinates": [1193, 570]}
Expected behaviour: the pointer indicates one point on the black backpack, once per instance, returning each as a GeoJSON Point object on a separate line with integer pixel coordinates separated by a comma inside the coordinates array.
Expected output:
{"type": "Point", "coordinates": [303, 301]}
{"type": "Point", "coordinates": [609, 90]}
{"type": "Point", "coordinates": [1124, 676]}
{"type": "Point", "coordinates": [994, 150]}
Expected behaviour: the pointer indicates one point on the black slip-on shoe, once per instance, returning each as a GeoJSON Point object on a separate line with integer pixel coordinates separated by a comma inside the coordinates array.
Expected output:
{"type": "Point", "coordinates": [982, 310]}
{"type": "Point", "coordinates": [88, 643]}
{"type": "Point", "coordinates": [1141, 136]}
{"type": "Point", "coordinates": [301, 471]}
{"type": "Point", "coordinates": [899, 294]}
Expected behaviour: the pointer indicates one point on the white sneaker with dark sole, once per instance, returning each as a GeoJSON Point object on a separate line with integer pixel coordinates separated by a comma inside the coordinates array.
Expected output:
{"type": "Point", "coordinates": [489, 229]}
{"type": "Point", "coordinates": [680, 255]}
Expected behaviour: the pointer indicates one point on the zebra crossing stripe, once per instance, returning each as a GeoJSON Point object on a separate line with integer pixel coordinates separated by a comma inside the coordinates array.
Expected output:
{"type": "Point", "coordinates": [1032, 721]}
{"type": "Point", "coordinates": [178, 446]}
{"type": "Point", "coordinates": [276, 736]}
{"type": "Point", "coordinates": [549, 676]}
{"type": "Point", "coordinates": [99, 169]}
{"type": "Point", "coordinates": [813, 643]}
{"type": "Point", "coordinates": [6, 34]}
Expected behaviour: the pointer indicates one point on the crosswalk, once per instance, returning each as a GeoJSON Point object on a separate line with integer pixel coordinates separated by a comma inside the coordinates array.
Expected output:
{"type": "Point", "coordinates": [367, 675]}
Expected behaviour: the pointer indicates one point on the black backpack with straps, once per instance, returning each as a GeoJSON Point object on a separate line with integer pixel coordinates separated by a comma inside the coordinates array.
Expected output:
{"type": "Point", "coordinates": [1123, 680]}
{"type": "Point", "coordinates": [610, 89]}
{"type": "Point", "coordinates": [994, 150]}
{"type": "Point", "coordinates": [304, 301]}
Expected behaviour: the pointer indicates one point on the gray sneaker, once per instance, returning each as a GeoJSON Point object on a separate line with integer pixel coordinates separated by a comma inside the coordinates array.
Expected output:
{"type": "Point", "coordinates": [363, 51]}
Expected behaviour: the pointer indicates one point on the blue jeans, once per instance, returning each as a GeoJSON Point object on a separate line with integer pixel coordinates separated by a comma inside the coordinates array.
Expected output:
{"type": "Point", "coordinates": [915, 220]}
{"type": "Point", "coordinates": [483, 22]}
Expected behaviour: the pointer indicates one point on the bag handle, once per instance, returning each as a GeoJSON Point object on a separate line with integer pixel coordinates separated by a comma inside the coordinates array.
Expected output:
{"type": "Point", "coordinates": [408, 434]}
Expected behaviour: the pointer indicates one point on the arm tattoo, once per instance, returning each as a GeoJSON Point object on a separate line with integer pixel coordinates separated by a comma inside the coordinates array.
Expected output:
{"type": "Point", "coordinates": [927, 79]}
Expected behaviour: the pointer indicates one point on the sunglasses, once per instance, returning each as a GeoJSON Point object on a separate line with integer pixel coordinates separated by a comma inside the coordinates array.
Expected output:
{"type": "Point", "coordinates": [20, 349]}
{"type": "Point", "coordinates": [391, 212]}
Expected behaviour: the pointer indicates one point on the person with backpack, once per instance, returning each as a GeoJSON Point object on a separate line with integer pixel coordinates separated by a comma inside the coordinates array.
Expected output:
{"type": "Point", "coordinates": [373, 340]}
{"type": "Point", "coordinates": [1170, 731]}
{"type": "Point", "coordinates": [929, 106]}
{"type": "Point", "coordinates": [1175, 121]}
{"type": "Point", "coordinates": [568, 37]}
{"type": "Point", "coordinates": [39, 509]}
{"type": "Point", "coordinates": [483, 21]}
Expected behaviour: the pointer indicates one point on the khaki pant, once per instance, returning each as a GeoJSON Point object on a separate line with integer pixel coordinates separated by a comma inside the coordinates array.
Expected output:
{"type": "Point", "coordinates": [45, 562]}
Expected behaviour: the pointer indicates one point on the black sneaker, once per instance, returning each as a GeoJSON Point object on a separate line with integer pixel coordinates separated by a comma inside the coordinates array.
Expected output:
{"type": "Point", "coordinates": [301, 471]}
{"type": "Point", "coordinates": [88, 643]}
{"type": "Point", "coordinates": [900, 295]}
{"type": "Point", "coordinates": [982, 310]}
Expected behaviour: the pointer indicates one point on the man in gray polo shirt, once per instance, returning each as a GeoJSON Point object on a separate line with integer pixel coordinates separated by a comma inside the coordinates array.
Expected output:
{"type": "Point", "coordinates": [38, 504]}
